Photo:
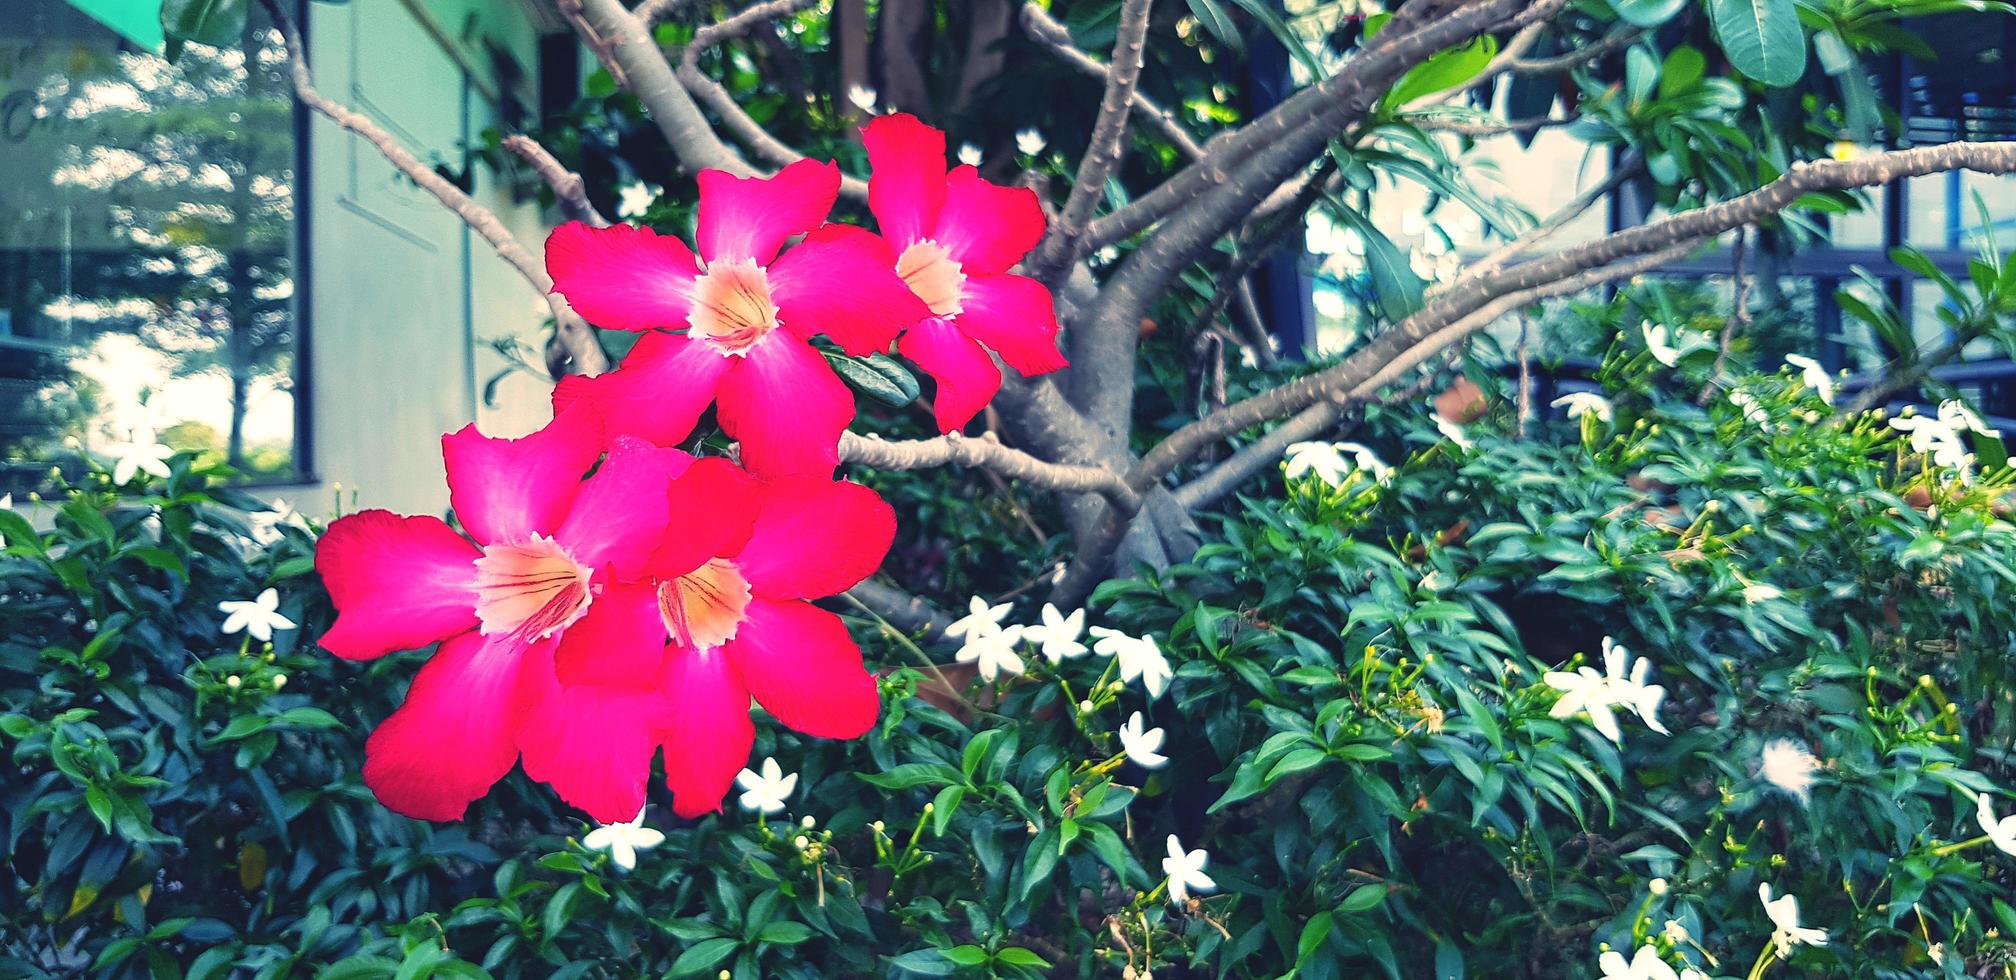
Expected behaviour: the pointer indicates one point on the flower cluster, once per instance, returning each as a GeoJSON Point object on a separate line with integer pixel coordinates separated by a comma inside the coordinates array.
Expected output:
{"type": "Point", "coordinates": [1620, 685]}
{"type": "Point", "coordinates": [993, 647]}
{"type": "Point", "coordinates": [1943, 438]}
{"type": "Point", "coordinates": [608, 595]}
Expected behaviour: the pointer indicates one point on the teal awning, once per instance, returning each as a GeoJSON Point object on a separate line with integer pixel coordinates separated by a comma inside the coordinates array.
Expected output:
{"type": "Point", "coordinates": [138, 21]}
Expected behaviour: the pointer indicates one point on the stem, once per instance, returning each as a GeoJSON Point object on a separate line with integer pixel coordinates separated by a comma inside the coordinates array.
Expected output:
{"type": "Point", "coordinates": [1764, 958]}
{"type": "Point", "coordinates": [903, 641]}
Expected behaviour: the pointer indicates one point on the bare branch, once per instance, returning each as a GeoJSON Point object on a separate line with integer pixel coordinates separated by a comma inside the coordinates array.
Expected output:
{"type": "Point", "coordinates": [985, 451]}
{"type": "Point", "coordinates": [1739, 318]}
{"type": "Point", "coordinates": [650, 12]}
{"type": "Point", "coordinates": [571, 332]}
{"type": "Point", "coordinates": [1535, 236]}
{"type": "Point", "coordinates": [721, 102]}
{"type": "Point", "coordinates": [901, 609]}
{"type": "Point", "coordinates": [1616, 40]}
{"type": "Point", "coordinates": [1467, 127]}
{"type": "Point", "coordinates": [1044, 28]}
{"type": "Point", "coordinates": [625, 46]}
{"type": "Point", "coordinates": [568, 187]}
{"type": "Point", "coordinates": [1255, 456]}
{"type": "Point", "coordinates": [1107, 145]}
{"type": "Point", "coordinates": [1898, 378]}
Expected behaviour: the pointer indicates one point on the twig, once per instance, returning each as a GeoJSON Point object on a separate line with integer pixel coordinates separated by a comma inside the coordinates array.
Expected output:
{"type": "Point", "coordinates": [916, 454]}
{"type": "Point", "coordinates": [721, 102]}
{"type": "Point", "coordinates": [1524, 409]}
{"type": "Point", "coordinates": [568, 188]}
{"type": "Point", "coordinates": [1616, 40]}
{"type": "Point", "coordinates": [625, 46]}
{"type": "Point", "coordinates": [1464, 127]}
{"type": "Point", "coordinates": [1044, 28]}
{"type": "Point", "coordinates": [1107, 145]}
{"type": "Point", "coordinates": [1739, 318]}
{"type": "Point", "coordinates": [1898, 379]}
{"type": "Point", "coordinates": [572, 333]}
{"type": "Point", "coordinates": [1627, 168]}
{"type": "Point", "coordinates": [652, 11]}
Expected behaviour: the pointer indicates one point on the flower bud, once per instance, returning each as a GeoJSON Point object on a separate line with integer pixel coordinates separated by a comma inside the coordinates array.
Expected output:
{"type": "Point", "coordinates": [878, 826]}
{"type": "Point", "coordinates": [799, 842]}
{"type": "Point", "coordinates": [808, 823]}
{"type": "Point", "coordinates": [233, 682]}
{"type": "Point", "coordinates": [1656, 886]}
{"type": "Point", "coordinates": [1086, 707]}
{"type": "Point", "coordinates": [279, 681]}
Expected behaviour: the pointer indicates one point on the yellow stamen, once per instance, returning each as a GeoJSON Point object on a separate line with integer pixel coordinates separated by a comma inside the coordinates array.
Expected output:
{"type": "Point", "coordinates": [930, 271]}
{"type": "Point", "coordinates": [530, 590]}
{"type": "Point", "coordinates": [704, 607]}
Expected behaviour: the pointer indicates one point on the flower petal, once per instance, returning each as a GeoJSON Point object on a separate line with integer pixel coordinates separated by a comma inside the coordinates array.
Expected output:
{"type": "Point", "coordinates": [506, 490]}
{"type": "Point", "coordinates": [619, 643]}
{"type": "Point", "coordinates": [842, 282]}
{"type": "Point", "coordinates": [750, 217]}
{"type": "Point", "coordinates": [987, 227]}
{"type": "Point", "coordinates": [1016, 317]}
{"type": "Point", "coordinates": [708, 738]}
{"type": "Point", "coordinates": [621, 511]}
{"type": "Point", "coordinates": [967, 378]}
{"type": "Point", "coordinates": [398, 583]}
{"type": "Point", "coordinates": [906, 181]}
{"type": "Point", "coordinates": [658, 393]}
{"type": "Point", "coordinates": [804, 669]}
{"type": "Point", "coordinates": [815, 537]}
{"type": "Point", "coordinates": [786, 407]}
{"type": "Point", "coordinates": [712, 506]}
{"type": "Point", "coordinates": [452, 738]}
{"type": "Point", "coordinates": [622, 277]}
{"type": "Point", "coordinates": [591, 743]}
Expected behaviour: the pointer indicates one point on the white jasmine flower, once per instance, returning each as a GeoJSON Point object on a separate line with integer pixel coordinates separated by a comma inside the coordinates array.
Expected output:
{"type": "Point", "coordinates": [2002, 832]}
{"type": "Point", "coordinates": [995, 652]}
{"type": "Point", "coordinates": [1628, 685]}
{"type": "Point", "coordinates": [1622, 683]}
{"type": "Point", "coordinates": [1144, 748]}
{"type": "Point", "coordinates": [1320, 458]}
{"type": "Point", "coordinates": [1784, 913]}
{"type": "Point", "coordinates": [624, 840]}
{"type": "Point", "coordinates": [1676, 933]}
{"type": "Point", "coordinates": [1030, 141]}
{"type": "Point", "coordinates": [1751, 409]}
{"type": "Point", "coordinates": [1186, 871]}
{"type": "Point", "coordinates": [1813, 376]}
{"type": "Point", "coordinates": [1645, 965]}
{"type": "Point", "coordinates": [1058, 634]}
{"type": "Point", "coordinates": [863, 98]}
{"type": "Point", "coordinates": [1936, 953]}
{"type": "Point", "coordinates": [635, 199]}
{"type": "Point", "coordinates": [980, 619]}
{"type": "Point", "coordinates": [1366, 460]}
{"type": "Point", "coordinates": [1143, 659]}
{"type": "Point", "coordinates": [1451, 431]}
{"type": "Point", "coordinates": [1585, 690]}
{"type": "Point", "coordinates": [1787, 765]}
{"type": "Point", "coordinates": [141, 454]}
{"type": "Point", "coordinates": [258, 617]}
{"type": "Point", "coordinates": [969, 154]}
{"type": "Point", "coordinates": [766, 792]}
{"type": "Point", "coordinates": [1956, 414]}
{"type": "Point", "coordinates": [1580, 403]}
{"type": "Point", "coordinates": [1658, 341]}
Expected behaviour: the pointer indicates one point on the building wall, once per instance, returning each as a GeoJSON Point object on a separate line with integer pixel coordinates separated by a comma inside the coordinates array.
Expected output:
{"type": "Point", "coordinates": [402, 297]}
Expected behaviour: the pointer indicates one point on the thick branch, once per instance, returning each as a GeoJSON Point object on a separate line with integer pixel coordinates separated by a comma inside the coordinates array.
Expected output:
{"type": "Point", "coordinates": [1108, 143]}
{"type": "Point", "coordinates": [1041, 26]}
{"type": "Point", "coordinates": [1255, 456]}
{"type": "Point", "coordinates": [917, 454]}
{"type": "Point", "coordinates": [573, 334]}
{"type": "Point", "coordinates": [568, 187]}
{"type": "Point", "coordinates": [650, 12]}
{"type": "Point", "coordinates": [721, 102]}
{"type": "Point", "coordinates": [1469, 296]}
{"type": "Point", "coordinates": [901, 609]}
{"type": "Point", "coordinates": [624, 45]}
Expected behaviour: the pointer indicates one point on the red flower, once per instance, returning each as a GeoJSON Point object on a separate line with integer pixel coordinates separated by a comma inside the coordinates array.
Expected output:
{"type": "Point", "coordinates": [546, 547]}
{"type": "Point", "coordinates": [773, 390]}
{"type": "Point", "coordinates": [953, 237]}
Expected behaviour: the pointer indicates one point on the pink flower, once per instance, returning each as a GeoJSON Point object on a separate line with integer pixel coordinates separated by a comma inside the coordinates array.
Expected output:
{"type": "Point", "coordinates": [772, 389]}
{"type": "Point", "coordinates": [953, 237]}
{"type": "Point", "coordinates": [542, 550]}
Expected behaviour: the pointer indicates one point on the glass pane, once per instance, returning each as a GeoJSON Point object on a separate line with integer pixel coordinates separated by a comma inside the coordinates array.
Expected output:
{"type": "Point", "coordinates": [146, 237]}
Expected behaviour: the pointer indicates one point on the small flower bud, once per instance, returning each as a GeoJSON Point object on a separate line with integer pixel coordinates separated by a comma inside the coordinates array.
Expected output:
{"type": "Point", "coordinates": [1086, 707]}
{"type": "Point", "coordinates": [724, 975]}
{"type": "Point", "coordinates": [808, 823]}
{"type": "Point", "coordinates": [1656, 886]}
{"type": "Point", "coordinates": [269, 654]}
{"type": "Point", "coordinates": [279, 681]}
{"type": "Point", "coordinates": [1711, 506]}
{"type": "Point", "coordinates": [233, 681]}
{"type": "Point", "coordinates": [799, 842]}
{"type": "Point", "coordinates": [928, 807]}
{"type": "Point", "coordinates": [878, 826]}
{"type": "Point", "coordinates": [70, 442]}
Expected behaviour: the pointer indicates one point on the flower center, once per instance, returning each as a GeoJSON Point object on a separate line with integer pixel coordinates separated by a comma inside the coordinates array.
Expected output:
{"type": "Point", "coordinates": [932, 274]}
{"type": "Point", "coordinates": [703, 607]}
{"type": "Point", "coordinates": [530, 591]}
{"type": "Point", "coordinates": [731, 306]}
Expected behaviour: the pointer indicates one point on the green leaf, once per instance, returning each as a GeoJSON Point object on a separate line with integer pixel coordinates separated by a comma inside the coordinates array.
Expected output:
{"type": "Point", "coordinates": [877, 376]}
{"type": "Point", "coordinates": [1362, 899]}
{"type": "Point", "coordinates": [703, 956]}
{"type": "Point", "coordinates": [1217, 22]}
{"type": "Point", "coordinates": [785, 933]}
{"type": "Point", "coordinates": [1444, 70]}
{"type": "Point", "coordinates": [220, 23]}
{"type": "Point", "coordinates": [1685, 65]}
{"type": "Point", "coordinates": [966, 955]}
{"type": "Point", "coordinates": [1762, 38]}
{"type": "Point", "coordinates": [1398, 289]}
{"type": "Point", "coordinates": [1017, 956]}
{"type": "Point", "coordinates": [1646, 13]}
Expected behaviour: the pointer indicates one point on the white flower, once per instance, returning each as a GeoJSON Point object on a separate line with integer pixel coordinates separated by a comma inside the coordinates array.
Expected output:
{"type": "Point", "coordinates": [1451, 431]}
{"type": "Point", "coordinates": [259, 617]}
{"type": "Point", "coordinates": [266, 523]}
{"type": "Point", "coordinates": [995, 652]}
{"type": "Point", "coordinates": [1784, 913]}
{"type": "Point", "coordinates": [1186, 871]}
{"type": "Point", "coordinates": [1936, 953]}
{"type": "Point", "coordinates": [969, 154]}
{"type": "Point", "coordinates": [1645, 965]}
{"type": "Point", "coordinates": [766, 792]}
{"type": "Point", "coordinates": [2003, 831]}
{"type": "Point", "coordinates": [623, 840]}
{"type": "Point", "coordinates": [1657, 340]}
{"type": "Point", "coordinates": [1941, 437]}
{"type": "Point", "coordinates": [1692, 974]}
{"type": "Point", "coordinates": [1622, 683]}
{"type": "Point", "coordinates": [1584, 690]}
{"type": "Point", "coordinates": [1955, 413]}
{"type": "Point", "coordinates": [980, 619]}
{"type": "Point", "coordinates": [1143, 659]}
{"type": "Point", "coordinates": [634, 199]}
{"type": "Point", "coordinates": [140, 455]}
{"type": "Point", "coordinates": [1751, 410]}
{"type": "Point", "coordinates": [1580, 403]}
{"type": "Point", "coordinates": [1760, 591]}
{"type": "Point", "coordinates": [863, 97]}
{"type": "Point", "coordinates": [1030, 141]}
{"type": "Point", "coordinates": [1813, 376]}
{"type": "Point", "coordinates": [1366, 460]}
{"type": "Point", "coordinates": [1787, 765]}
{"type": "Point", "coordinates": [1058, 634]}
{"type": "Point", "coordinates": [1321, 458]}
{"type": "Point", "coordinates": [1627, 682]}
{"type": "Point", "coordinates": [1144, 747]}
{"type": "Point", "coordinates": [1676, 933]}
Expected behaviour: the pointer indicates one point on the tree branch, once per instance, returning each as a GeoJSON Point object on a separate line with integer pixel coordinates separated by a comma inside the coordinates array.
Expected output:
{"type": "Point", "coordinates": [650, 12]}
{"type": "Point", "coordinates": [625, 46]}
{"type": "Point", "coordinates": [1492, 261]}
{"type": "Point", "coordinates": [1053, 35]}
{"type": "Point", "coordinates": [1108, 144]}
{"type": "Point", "coordinates": [900, 609]}
{"type": "Point", "coordinates": [985, 451]}
{"type": "Point", "coordinates": [721, 102]}
{"type": "Point", "coordinates": [570, 331]}
{"type": "Point", "coordinates": [1615, 41]}
{"type": "Point", "coordinates": [568, 188]}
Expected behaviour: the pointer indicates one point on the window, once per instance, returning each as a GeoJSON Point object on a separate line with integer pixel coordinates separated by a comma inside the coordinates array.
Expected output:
{"type": "Point", "coordinates": [147, 251]}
